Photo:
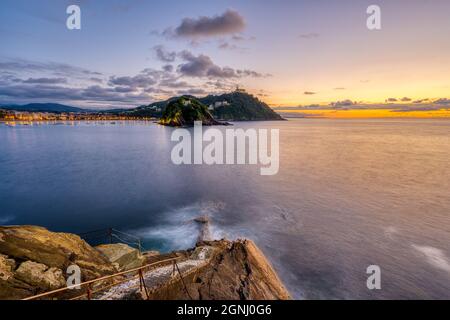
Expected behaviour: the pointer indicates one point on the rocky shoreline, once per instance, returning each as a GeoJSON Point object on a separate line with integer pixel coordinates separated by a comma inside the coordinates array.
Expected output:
{"type": "Point", "coordinates": [34, 260]}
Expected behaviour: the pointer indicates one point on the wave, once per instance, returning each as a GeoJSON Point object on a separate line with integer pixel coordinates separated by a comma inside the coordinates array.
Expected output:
{"type": "Point", "coordinates": [181, 228]}
{"type": "Point", "coordinates": [434, 257]}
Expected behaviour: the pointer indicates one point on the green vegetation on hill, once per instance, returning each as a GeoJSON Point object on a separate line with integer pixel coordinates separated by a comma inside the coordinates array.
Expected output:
{"type": "Point", "coordinates": [185, 111]}
{"type": "Point", "coordinates": [240, 106]}
{"type": "Point", "coordinates": [235, 106]}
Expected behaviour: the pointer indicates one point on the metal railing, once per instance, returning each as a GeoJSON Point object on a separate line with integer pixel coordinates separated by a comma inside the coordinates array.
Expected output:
{"type": "Point", "coordinates": [111, 235]}
{"type": "Point", "coordinates": [89, 286]}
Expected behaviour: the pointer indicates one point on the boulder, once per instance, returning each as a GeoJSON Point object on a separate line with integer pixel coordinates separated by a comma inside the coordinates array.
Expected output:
{"type": "Point", "coordinates": [7, 267]}
{"type": "Point", "coordinates": [42, 258]}
{"type": "Point", "coordinates": [122, 255]}
{"type": "Point", "coordinates": [40, 276]}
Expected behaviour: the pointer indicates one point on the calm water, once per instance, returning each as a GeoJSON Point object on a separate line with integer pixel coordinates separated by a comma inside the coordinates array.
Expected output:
{"type": "Point", "coordinates": [349, 194]}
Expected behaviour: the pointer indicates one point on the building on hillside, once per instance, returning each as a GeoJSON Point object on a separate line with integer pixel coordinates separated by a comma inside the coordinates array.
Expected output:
{"type": "Point", "coordinates": [240, 90]}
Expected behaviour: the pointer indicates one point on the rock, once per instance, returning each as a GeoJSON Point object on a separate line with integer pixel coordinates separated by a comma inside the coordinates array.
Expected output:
{"type": "Point", "coordinates": [43, 258]}
{"type": "Point", "coordinates": [237, 271]}
{"type": "Point", "coordinates": [7, 267]}
{"type": "Point", "coordinates": [124, 256]}
{"type": "Point", "coordinates": [40, 276]}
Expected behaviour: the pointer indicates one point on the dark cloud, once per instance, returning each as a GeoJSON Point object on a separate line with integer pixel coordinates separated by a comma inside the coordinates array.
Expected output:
{"type": "Point", "coordinates": [19, 65]}
{"type": "Point", "coordinates": [421, 100]}
{"type": "Point", "coordinates": [343, 103]}
{"type": "Point", "coordinates": [45, 80]}
{"type": "Point", "coordinates": [168, 68]}
{"type": "Point", "coordinates": [94, 79]}
{"type": "Point", "coordinates": [309, 93]}
{"type": "Point", "coordinates": [230, 22]}
{"type": "Point", "coordinates": [203, 66]}
{"type": "Point", "coordinates": [139, 81]}
{"type": "Point", "coordinates": [164, 55]}
{"type": "Point", "coordinates": [251, 73]}
{"type": "Point", "coordinates": [442, 101]}
{"type": "Point", "coordinates": [340, 88]}
{"type": "Point", "coordinates": [388, 100]}
{"type": "Point", "coordinates": [406, 99]}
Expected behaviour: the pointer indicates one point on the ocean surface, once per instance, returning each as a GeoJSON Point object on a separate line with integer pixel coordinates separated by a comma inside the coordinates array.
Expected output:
{"type": "Point", "coordinates": [349, 194]}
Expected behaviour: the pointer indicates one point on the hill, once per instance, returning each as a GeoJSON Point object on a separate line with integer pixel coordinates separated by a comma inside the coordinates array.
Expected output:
{"type": "Point", "coordinates": [44, 107]}
{"type": "Point", "coordinates": [235, 106]}
{"type": "Point", "coordinates": [185, 111]}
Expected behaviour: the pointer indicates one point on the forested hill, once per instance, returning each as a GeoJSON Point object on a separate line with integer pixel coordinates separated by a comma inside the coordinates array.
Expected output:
{"type": "Point", "coordinates": [235, 106]}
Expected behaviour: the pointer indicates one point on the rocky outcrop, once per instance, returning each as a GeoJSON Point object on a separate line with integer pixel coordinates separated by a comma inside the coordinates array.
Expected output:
{"type": "Point", "coordinates": [184, 111]}
{"type": "Point", "coordinates": [40, 276]}
{"type": "Point", "coordinates": [35, 260]}
{"type": "Point", "coordinates": [123, 256]}
{"type": "Point", "coordinates": [236, 271]}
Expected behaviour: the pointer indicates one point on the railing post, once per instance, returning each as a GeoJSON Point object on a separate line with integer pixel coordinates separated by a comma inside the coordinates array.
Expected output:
{"type": "Point", "coordinates": [142, 284]}
{"type": "Point", "coordinates": [88, 292]}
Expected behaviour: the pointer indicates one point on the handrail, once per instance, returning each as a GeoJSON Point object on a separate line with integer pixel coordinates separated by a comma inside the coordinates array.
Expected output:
{"type": "Point", "coordinates": [112, 233]}
{"type": "Point", "coordinates": [45, 294]}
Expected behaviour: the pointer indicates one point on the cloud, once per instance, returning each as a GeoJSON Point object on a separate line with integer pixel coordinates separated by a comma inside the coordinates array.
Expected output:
{"type": "Point", "coordinates": [139, 81]}
{"type": "Point", "coordinates": [406, 99]}
{"type": "Point", "coordinates": [309, 93]}
{"type": "Point", "coordinates": [164, 55]}
{"type": "Point", "coordinates": [94, 79]}
{"type": "Point", "coordinates": [421, 100]}
{"type": "Point", "coordinates": [192, 92]}
{"type": "Point", "coordinates": [203, 66]}
{"type": "Point", "coordinates": [230, 22]}
{"type": "Point", "coordinates": [442, 101]}
{"type": "Point", "coordinates": [391, 100]}
{"type": "Point", "coordinates": [168, 68]}
{"type": "Point", "coordinates": [343, 103]}
{"type": "Point", "coordinates": [311, 35]}
{"type": "Point", "coordinates": [20, 65]}
{"type": "Point", "coordinates": [46, 80]}
{"type": "Point", "coordinates": [340, 88]}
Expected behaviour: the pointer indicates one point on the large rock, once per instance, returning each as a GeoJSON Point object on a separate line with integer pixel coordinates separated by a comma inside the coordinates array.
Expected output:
{"type": "Point", "coordinates": [40, 276]}
{"type": "Point", "coordinates": [237, 271]}
{"type": "Point", "coordinates": [7, 267]}
{"type": "Point", "coordinates": [42, 258]}
{"type": "Point", "coordinates": [124, 256]}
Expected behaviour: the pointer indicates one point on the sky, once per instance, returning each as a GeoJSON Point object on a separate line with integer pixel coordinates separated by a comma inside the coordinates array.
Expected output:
{"type": "Point", "coordinates": [289, 53]}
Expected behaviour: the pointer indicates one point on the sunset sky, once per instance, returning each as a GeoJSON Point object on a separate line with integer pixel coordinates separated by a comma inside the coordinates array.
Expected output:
{"type": "Point", "coordinates": [289, 53]}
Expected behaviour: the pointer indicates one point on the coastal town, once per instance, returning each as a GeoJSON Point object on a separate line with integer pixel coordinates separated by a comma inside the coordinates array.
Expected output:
{"type": "Point", "coordinates": [25, 116]}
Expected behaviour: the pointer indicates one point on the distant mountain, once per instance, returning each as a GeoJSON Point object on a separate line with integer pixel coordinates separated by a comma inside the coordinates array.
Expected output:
{"type": "Point", "coordinates": [185, 111]}
{"type": "Point", "coordinates": [44, 107]}
{"type": "Point", "coordinates": [235, 106]}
